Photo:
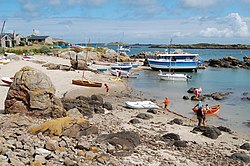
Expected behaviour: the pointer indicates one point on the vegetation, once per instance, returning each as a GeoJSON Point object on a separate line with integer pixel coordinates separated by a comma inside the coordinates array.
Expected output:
{"type": "Point", "coordinates": [204, 46]}
{"type": "Point", "coordinates": [101, 50]}
{"type": "Point", "coordinates": [19, 50]}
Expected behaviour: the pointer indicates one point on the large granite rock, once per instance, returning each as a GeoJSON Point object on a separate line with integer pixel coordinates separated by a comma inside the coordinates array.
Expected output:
{"type": "Point", "coordinates": [33, 93]}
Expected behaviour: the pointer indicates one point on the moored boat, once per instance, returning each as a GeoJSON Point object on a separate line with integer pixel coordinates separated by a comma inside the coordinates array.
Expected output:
{"type": "Point", "coordinates": [141, 104]}
{"type": "Point", "coordinates": [123, 49]}
{"type": "Point", "coordinates": [123, 73]}
{"type": "Point", "coordinates": [121, 66]}
{"type": "Point", "coordinates": [212, 109]}
{"type": "Point", "coordinates": [86, 83]}
{"type": "Point", "coordinates": [174, 77]}
{"type": "Point", "coordinates": [181, 62]}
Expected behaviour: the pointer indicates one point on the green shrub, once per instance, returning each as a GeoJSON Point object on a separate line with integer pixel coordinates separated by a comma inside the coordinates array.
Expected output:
{"type": "Point", "coordinates": [21, 43]}
{"type": "Point", "coordinates": [44, 49]}
{"type": "Point", "coordinates": [101, 50]}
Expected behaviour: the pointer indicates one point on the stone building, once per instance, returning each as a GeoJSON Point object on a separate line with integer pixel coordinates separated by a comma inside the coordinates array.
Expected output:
{"type": "Point", "coordinates": [41, 39]}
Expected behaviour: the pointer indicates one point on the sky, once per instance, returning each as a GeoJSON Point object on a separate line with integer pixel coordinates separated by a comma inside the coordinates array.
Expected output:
{"type": "Point", "coordinates": [131, 21]}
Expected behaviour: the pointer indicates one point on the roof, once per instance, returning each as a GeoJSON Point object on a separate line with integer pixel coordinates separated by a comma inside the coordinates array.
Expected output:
{"type": "Point", "coordinates": [4, 34]}
{"type": "Point", "coordinates": [38, 37]}
{"type": "Point", "coordinates": [9, 34]}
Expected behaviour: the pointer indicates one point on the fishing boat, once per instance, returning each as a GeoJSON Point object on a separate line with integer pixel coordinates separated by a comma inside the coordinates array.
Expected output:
{"type": "Point", "coordinates": [102, 63]}
{"type": "Point", "coordinates": [212, 109]}
{"type": "Point", "coordinates": [102, 69]}
{"type": "Point", "coordinates": [177, 62]}
{"type": "Point", "coordinates": [4, 61]}
{"type": "Point", "coordinates": [7, 80]}
{"type": "Point", "coordinates": [86, 83]}
{"type": "Point", "coordinates": [173, 76]}
{"type": "Point", "coordinates": [141, 104]}
{"type": "Point", "coordinates": [121, 66]}
{"type": "Point", "coordinates": [123, 73]}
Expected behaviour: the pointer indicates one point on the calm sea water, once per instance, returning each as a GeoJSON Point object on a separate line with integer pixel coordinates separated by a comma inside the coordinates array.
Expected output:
{"type": "Point", "coordinates": [234, 112]}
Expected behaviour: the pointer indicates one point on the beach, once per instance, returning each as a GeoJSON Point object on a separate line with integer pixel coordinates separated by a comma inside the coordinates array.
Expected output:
{"type": "Point", "coordinates": [200, 150]}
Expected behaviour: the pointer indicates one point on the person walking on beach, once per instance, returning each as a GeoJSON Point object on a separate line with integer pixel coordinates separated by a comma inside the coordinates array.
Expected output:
{"type": "Point", "coordinates": [107, 89]}
{"type": "Point", "coordinates": [166, 102]}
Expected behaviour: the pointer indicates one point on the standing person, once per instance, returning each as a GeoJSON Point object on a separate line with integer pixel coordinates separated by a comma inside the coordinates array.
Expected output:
{"type": "Point", "coordinates": [166, 102]}
{"type": "Point", "coordinates": [204, 114]}
{"type": "Point", "coordinates": [199, 113]}
{"type": "Point", "coordinates": [107, 89]}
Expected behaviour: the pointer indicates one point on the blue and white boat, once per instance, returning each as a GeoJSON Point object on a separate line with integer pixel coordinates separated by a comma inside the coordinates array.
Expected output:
{"type": "Point", "coordinates": [176, 62]}
{"type": "Point", "coordinates": [121, 66]}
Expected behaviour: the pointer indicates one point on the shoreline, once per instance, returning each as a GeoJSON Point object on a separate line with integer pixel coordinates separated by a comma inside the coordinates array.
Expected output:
{"type": "Point", "coordinates": [149, 130]}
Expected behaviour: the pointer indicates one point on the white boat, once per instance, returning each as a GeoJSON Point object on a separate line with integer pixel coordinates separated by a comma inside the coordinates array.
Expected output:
{"type": "Point", "coordinates": [124, 73]}
{"type": "Point", "coordinates": [4, 61]}
{"type": "Point", "coordinates": [141, 104]}
{"type": "Point", "coordinates": [174, 77]}
{"type": "Point", "coordinates": [7, 80]}
{"type": "Point", "coordinates": [121, 66]}
{"type": "Point", "coordinates": [123, 49]}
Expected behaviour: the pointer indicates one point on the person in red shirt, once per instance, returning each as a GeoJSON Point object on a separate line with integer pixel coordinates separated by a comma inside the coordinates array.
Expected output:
{"type": "Point", "coordinates": [107, 89]}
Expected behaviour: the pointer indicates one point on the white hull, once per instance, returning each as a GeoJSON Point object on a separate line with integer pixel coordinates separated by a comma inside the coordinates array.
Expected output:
{"type": "Point", "coordinates": [141, 104]}
{"type": "Point", "coordinates": [174, 77]}
{"type": "Point", "coordinates": [123, 73]}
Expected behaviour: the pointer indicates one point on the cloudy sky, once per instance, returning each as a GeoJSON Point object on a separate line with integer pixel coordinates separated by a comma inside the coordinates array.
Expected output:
{"type": "Point", "coordinates": [131, 21]}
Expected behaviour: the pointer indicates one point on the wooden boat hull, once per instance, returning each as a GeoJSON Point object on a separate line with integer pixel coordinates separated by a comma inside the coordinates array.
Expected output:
{"type": "Point", "coordinates": [86, 83]}
{"type": "Point", "coordinates": [141, 105]}
{"type": "Point", "coordinates": [212, 109]}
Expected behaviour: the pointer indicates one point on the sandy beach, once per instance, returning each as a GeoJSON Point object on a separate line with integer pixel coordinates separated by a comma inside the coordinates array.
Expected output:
{"type": "Point", "coordinates": [201, 150]}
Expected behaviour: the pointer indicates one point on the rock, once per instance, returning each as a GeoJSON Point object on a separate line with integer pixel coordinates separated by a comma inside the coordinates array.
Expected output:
{"type": "Point", "coordinates": [89, 131]}
{"type": "Point", "coordinates": [180, 143]}
{"type": "Point", "coordinates": [69, 162]}
{"type": "Point", "coordinates": [43, 152]}
{"type": "Point", "coordinates": [245, 93]}
{"type": "Point", "coordinates": [245, 98]}
{"type": "Point", "coordinates": [15, 161]}
{"type": "Point", "coordinates": [90, 155]}
{"type": "Point", "coordinates": [191, 90]}
{"type": "Point", "coordinates": [74, 113]}
{"type": "Point", "coordinates": [107, 105]}
{"type": "Point", "coordinates": [153, 111]}
{"type": "Point", "coordinates": [40, 158]}
{"type": "Point", "coordinates": [51, 66]}
{"type": "Point", "coordinates": [245, 146]}
{"type": "Point", "coordinates": [33, 93]}
{"type": "Point", "coordinates": [241, 156]}
{"type": "Point", "coordinates": [185, 97]}
{"type": "Point", "coordinates": [125, 142]}
{"type": "Point", "coordinates": [199, 129]}
{"type": "Point", "coordinates": [83, 145]}
{"type": "Point", "coordinates": [102, 158]}
{"type": "Point", "coordinates": [225, 129]}
{"type": "Point", "coordinates": [144, 116]}
{"type": "Point", "coordinates": [170, 136]}
{"type": "Point", "coordinates": [211, 132]}
{"type": "Point", "coordinates": [134, 121]}
{"type": "Point", "coordinates": [176, 121]}
{"type": "Point", "coordinates": [99, 110]}
{"type": "Point", "coordinates": [217, 96]}
{"type": "Point", "coordinates": [51, 144]}
{"type": "Point", "coordinates": [82, 105]}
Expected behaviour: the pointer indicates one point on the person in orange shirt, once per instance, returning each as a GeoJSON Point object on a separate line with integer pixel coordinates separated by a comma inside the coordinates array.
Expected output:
{"type": "Point", "coordinates": [166, 102]}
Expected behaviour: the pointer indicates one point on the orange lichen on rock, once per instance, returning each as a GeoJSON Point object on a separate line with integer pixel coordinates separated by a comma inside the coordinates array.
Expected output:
{"type": "Point", "coordinates": [55, 127]}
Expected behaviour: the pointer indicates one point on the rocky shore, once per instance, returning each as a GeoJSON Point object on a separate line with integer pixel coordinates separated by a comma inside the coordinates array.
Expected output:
{"type": "Point", "coordinates": [70, 125]}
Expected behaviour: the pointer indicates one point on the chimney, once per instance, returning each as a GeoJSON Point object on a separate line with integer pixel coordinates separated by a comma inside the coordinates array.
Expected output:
{"type": "Point", "coordinates": [14, 35]}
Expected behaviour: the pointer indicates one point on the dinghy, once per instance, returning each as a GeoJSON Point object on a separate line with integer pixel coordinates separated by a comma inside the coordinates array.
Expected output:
{"type": "Point", "coordinates": [212, 109]}
{"type": "Point", "coordinates": [7, 80]}
{"type": "Point", "coordinates": [86, 83]}
{"type": "Point", "coordinates": [141, 104]}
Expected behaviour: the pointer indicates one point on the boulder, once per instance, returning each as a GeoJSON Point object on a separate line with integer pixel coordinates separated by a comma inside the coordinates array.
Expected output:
{"type": "Point", "coordinates": [144, 116]}
{"type": "Point", "coordinates": [241, 156]}
{"type": "Point", "coordinates": [134, 121]}
{"type": "Point", "coordinates": [170, 137]}
{"type": "Point", "coordinates": [176, 121]}
{"type": "Point", "coordinates": [124, 142]}
{"type": "Point", "coordinates": [211, 132]}
{"type": "Point", "coordinates": [33, 93]}
{"type": "Point", "coordinates": [245, 146]}
{"type": "Point", "coordinates": [107, 105]}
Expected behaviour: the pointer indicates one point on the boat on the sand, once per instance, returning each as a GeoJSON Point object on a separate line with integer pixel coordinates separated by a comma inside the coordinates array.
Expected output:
{"type": "Point", "coordinates": [86, 83]}
{"type": "Point", "coordinates": [124, 73]}
{"type": "Point", "coordinates": [212, 109]}
{"type": "Point", "coordinates": [7, 80]}
{"type": "Point", "coordinates": [141, 104]}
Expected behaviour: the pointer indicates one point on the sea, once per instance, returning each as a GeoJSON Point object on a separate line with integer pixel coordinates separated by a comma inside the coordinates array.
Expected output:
{"type": "Point", "coordinates": [234, 113]}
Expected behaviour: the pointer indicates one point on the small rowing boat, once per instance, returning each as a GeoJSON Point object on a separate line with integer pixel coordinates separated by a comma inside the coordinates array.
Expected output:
{"type": "Point", "coordinates": [141, 104]}
{"type": "Point", "coordinates": [86, 83]}
{"type": "Point", "coordinates": [7, 80]}
{"type": "Point", "coordinates": [212, 109]}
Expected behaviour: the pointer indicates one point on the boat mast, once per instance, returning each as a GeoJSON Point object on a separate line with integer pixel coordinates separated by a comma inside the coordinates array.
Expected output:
{"type": "Point", "coordinates": [1, 35]}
